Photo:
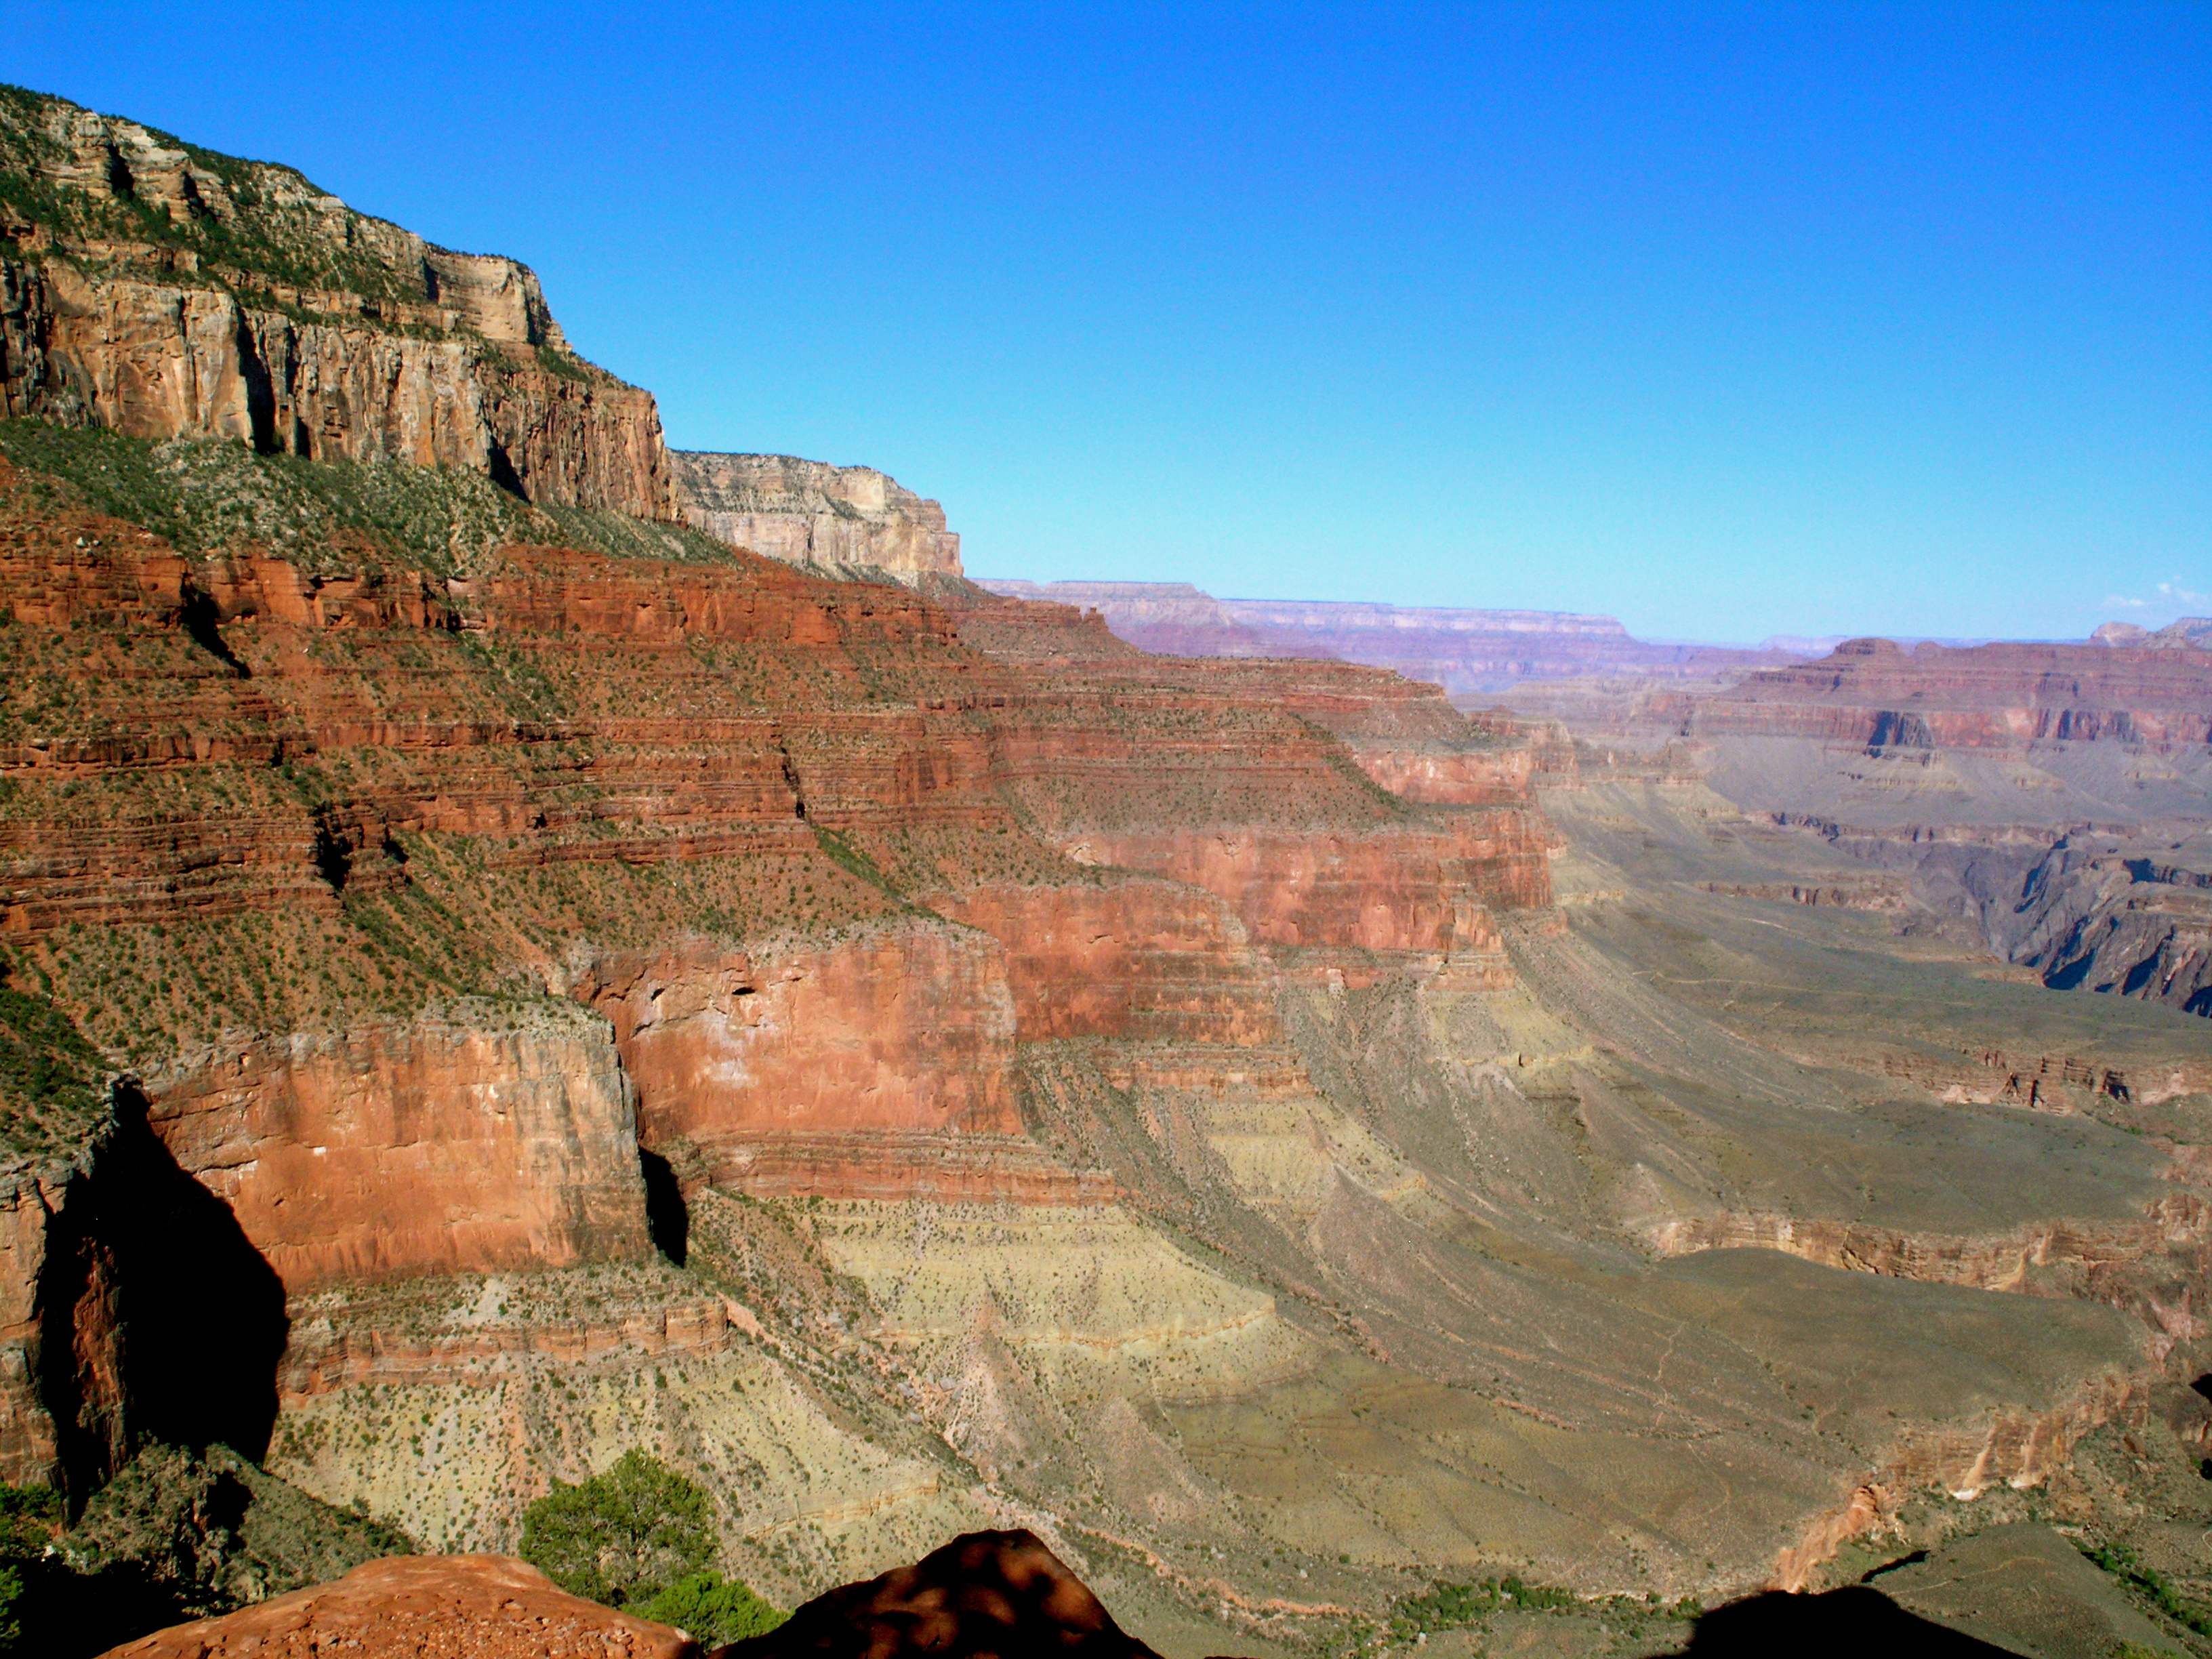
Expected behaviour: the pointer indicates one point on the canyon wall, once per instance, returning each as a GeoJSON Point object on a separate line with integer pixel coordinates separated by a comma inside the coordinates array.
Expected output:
{"type": "Point", "coordinates": [1874, 694]}
{"type": "Point", "coordinates": [835, 518]}
{"type": "Point", "coordinates": [468, 1141]}
{"type": "Point", "coordinates": [165, 292]}
{"type": "Point", "coordinates": [1468, 652]}
{"type": "Point", "coordinates": [1151, 1090]}
{"type": "Point", "coordinates": [579, 858]}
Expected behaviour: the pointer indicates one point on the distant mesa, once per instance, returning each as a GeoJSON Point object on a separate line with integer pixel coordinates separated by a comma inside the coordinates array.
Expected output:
{"type": "Point", "coordinates": [2190, 633]}
{"type": "Point", "coordinates": [1470, 652]}
{"type": "Point", "coordinates": [2153, 690]}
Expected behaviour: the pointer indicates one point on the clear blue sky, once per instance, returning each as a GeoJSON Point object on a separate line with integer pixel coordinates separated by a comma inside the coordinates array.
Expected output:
{"type": "Point", "coordinates": [1727, 320]}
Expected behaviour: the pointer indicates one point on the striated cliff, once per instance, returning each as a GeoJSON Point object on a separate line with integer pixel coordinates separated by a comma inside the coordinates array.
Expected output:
{"type": "Point", "coordinates": [1876, 695]}
{"type": "Point", "coordinates": [837, 519]}
{"type": "Point", "coordinates": [465, 1141]}
{"type": "Point", "coordinates": [162, 290]}
{"type": "Point", "coordinates": [461, 899]}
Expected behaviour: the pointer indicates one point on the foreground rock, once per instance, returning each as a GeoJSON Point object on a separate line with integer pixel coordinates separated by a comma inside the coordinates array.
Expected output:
{"type": "Point", "coordinates": [453, 1606]}
{"type": "Point", "coordinates": [986, 1593]}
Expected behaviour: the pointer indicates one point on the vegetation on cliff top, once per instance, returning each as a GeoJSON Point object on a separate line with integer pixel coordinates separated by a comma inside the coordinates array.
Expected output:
{"type": "Point", "coordinates": [256, 221]}
{"type": "Point", "coordinates": [52, 1100]}
{"type": "Point", "coordinates": [211, 495]}
{"type": "Point", "coordinates": [276, 224]}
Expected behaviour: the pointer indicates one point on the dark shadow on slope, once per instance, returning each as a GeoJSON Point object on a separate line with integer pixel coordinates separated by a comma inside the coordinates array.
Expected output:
{"type": "Point", "coordinates": [1854, 1621]}
{"type": "Point", "coordinates": [667, 1217]}
{"type": "Point", "coordinates": [200, 618]}
{"type": "Point", "coordinates": [160, 1321]}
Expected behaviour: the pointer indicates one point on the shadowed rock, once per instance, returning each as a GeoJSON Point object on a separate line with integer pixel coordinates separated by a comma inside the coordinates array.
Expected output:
{"type": "Point", "coordinates": [983, 1593]}
{"type": "Point", "coordinates": [1855, 1620]}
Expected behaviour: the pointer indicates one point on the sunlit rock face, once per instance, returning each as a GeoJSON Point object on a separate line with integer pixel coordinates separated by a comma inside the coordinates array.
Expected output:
{"type": "Point", "coordinates": [834, 518]}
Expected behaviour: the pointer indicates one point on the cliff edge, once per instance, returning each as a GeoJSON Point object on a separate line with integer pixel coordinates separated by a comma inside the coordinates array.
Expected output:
{"type": "Point", "coordinates": [839, 519]}
{"type": "Point", "coordinates": [167, 291]}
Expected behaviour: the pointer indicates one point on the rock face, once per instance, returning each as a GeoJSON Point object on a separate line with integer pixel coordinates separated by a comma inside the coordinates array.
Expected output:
{"type": "Point", "coordinates": [1875, 694]}
{"type": "Point", "coordinates": [880, 1067]}
{"type": "Point", "coordinates": [835, 518]}
{"type": "Point", "coordinates": [1469, 652]}
{"type": "Point", "coordinates": [466, 1142]}
{"type": "Point", "coordinates": [1402, 892]}
{"type": "Point", "coordinates": [169, 292]}
{"type": "Point", "coordinates": [986, 1593]}
{"type": "Point", "coordinates": [444, 1607]}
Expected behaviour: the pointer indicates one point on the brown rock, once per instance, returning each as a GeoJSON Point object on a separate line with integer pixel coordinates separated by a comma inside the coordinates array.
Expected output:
{"type": "Point", "coordinates": [985, 1593]}
{"type": "Point", "coordinates": [431, 1607]}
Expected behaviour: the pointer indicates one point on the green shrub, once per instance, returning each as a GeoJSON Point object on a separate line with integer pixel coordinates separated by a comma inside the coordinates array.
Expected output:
{"type": "Point", "coordinates": [2124, 1565]}
{"type": "Point", "coordinates": [715, 1609]}
{"type": "Point", "coordinates": [620, 1536]}
{"type": "Point", "coordinates": [1444, 1607]}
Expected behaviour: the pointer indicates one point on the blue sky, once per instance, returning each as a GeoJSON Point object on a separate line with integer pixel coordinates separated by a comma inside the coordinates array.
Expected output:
{"type": "Point", "coordinates": [1726, 320]}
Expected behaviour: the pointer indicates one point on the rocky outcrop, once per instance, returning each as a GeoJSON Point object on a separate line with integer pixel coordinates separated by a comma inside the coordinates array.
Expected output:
{"type": "Point", "coordinates": [2007, 1262]}
{"type": "Point", "coordinates": [876, 1067]}
{"type": "Point", "coordinates": [836, 519]}
{"type": "Point", "coordinates": [2015, 1448]}
{"type": "Point", "coordinates": [155, 360]}
{"type": "Point", "coordinates": [458, 1607]}
{"type": "Point", "coordinates": [1422, 891]}
{"type": "Point", "coordinates": [1454, 776]}
{"type": "Point", "coordinates": [986, 1593]}
{"type": "Point", "coordinates": [29, 1448]}
{"type": "Point", "coordinates": [1143, 961]}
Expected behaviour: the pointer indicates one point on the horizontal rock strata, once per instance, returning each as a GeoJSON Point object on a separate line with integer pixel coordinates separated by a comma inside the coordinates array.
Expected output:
{"type": "Point", "coordinates": [835, 518]}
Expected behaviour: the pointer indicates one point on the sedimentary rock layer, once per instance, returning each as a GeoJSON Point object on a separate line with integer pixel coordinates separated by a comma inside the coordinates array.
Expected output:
{"type": "Point", "coordinates": [462, 1143]}
{"type": "Point", "coordinates": [1874, 694]}
{"type": "Point", "coordinates": [579, 858]}
{"type": "Point", "coordinates": [837, 518]}
{"type": "Point", "coordinates": [170, 293]}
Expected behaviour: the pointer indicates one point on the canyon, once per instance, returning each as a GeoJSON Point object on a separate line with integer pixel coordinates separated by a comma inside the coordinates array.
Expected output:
{"type": "Point", "coordinates": [522, 944]}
